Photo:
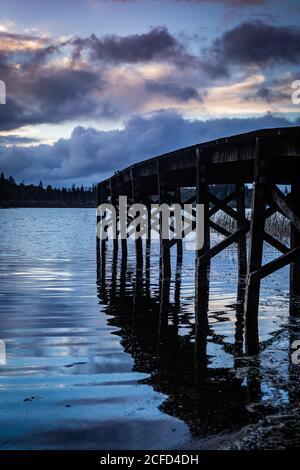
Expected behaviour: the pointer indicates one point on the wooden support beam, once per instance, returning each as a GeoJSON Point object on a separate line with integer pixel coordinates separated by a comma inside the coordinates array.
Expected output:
{"type": "Point", "coordinates": [202, 271]}
{"type": "Point", "coordinates": [221, 205]}
{"type": "Point", "coordinates": [295, 265]}
{"type": "Point", "coordinates": [218, 228]}
{"type": "Point", "coordinates": [177, 289]}
{"type": "Point", "coordinates": [165, 255]}
{"type": "Point", "coordinates": [114, 202]}
{"type": "Point", "coordinates": [271, 210]}
{"type": "Point", "coordinates": [138, 240]}
{"type": "Point", "coordinates": [179, 240]}
{"type": "Point", "coordinates": [285, 206]}
{"type": "Point", "coordinates": [256, 249]}
{"type": "Point", "coordinates": [216, 249]}
{"type": "Point", "coordinates": [242, 240]}
{"type": "Point", "coordinates": [274, 208]}
{"type": "Point", "coordinates": [148, 250]}
{"type": "Point", "coordinates": [225, 201]}
{"type": "Point", "coordinates": [123, 224]}
{"type": "Point", "coordinates": [101, 244]}
{"type": "Point", "coordinates": [275, 243]}
{"type": "Point", "coordinates": [276, 264]}
{"type": "Point", "coordinates": [239, 324]}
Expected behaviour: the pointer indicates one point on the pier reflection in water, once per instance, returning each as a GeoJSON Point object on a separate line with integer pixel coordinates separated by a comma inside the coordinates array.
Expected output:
{"type": "Point", "coordinates": [111, 359]}
{"type": "Point", "coordinates": [208, 380]}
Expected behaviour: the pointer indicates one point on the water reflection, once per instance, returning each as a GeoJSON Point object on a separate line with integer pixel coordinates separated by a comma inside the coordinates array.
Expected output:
{"type": "Point", "coordinates": [116, 361]}
{"type": "Point", "coordinates": [181, 356]}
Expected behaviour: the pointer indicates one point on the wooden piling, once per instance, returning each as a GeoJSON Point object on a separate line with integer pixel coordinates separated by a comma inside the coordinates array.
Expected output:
{"type": "Point", "coordinates": [165, 255]}
{"type": "Point", "coordinates": [202, 271]}
{"type": "Point", "coordinates": [177, 200]}
{"type": "Point", "coordinates": [115, 202]}
{"type": "Point", "coordinates": [295, 265]}
{"type": "Point", "coordinates": [101, 243]}
{"type": "Point", "coordinates": [242, 242]}
{"type": "Point", "coordinates": [257, 226]}
{"type": "Point", "coordinates": [136, 198]}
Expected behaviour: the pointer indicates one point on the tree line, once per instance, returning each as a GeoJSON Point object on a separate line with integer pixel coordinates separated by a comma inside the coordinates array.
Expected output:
{"type": "Point", "coordinates": [13, 194]}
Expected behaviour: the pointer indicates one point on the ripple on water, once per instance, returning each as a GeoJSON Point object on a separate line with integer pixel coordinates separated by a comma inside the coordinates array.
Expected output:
{"type": "Point", "coordinates": [104, 365]}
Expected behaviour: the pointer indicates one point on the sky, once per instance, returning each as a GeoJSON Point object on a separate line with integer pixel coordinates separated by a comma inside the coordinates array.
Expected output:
{"type": "Point", "coordinates": [93, 86]}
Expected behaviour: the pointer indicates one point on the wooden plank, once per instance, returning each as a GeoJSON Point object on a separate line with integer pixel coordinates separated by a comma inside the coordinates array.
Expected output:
{"type": "Point", "coordinates": [226, 201]}
{"type": "Point", "coordinates": [284, 206]}
{"type": "Point", "coordinates": [276, 264]}
{"type": "Point", "coordinates": [216, 249]}
{"type": "Point", "coordinates": [221, 205]}
{"type": "Point", "coordinates": [275, 243]}
{"type": "Point", "coordinates": [219, 229]}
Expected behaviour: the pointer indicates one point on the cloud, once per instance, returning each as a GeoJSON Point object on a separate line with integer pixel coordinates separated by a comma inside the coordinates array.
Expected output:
{"type": "Point", "coordinates": [267, 94]}
{"type": "Point", "coordinates": [111, 77]}
{"type": "Point", "coordinates": [51, 95]}
{"type": "Point", "coordinates": [172, 90]}
{"type": "Point", "coordinates": [16, 140]}
{"type": "Point", "coordinates": [48, 81]}
{"type": "Point", "coordinates": [94, 154]}
{"type": "Point", "coordinates": [157, 44]}
{"type": "Point", "coordinates": [257, 43]}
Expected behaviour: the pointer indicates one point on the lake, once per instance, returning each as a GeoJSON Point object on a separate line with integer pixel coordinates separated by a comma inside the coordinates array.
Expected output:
{"type": "Point", "coordinates": [98, 358]}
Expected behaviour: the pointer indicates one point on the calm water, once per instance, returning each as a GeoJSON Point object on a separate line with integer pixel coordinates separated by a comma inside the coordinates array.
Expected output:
{"type": "Point", "coordinates": [102, 363]}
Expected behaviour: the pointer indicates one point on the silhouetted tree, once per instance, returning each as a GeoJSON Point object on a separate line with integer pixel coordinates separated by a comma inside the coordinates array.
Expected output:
{"type": "Point", "coordinates": [22, 195]}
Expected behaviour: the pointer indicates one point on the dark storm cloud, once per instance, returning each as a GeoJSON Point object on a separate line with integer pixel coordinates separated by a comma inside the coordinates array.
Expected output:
{"type": "Point", "coordinates": [172, 90]}
{"type": "Point", "coordinates": [258, 43]}
{"type": "Point", "coordinates": [157, 44]}
{"type": "Point", "coordinates": [63, 86]}
{"type": "Point", "coordinates": [43, 89]}
{"type": "Point", "coordinates": [51, 96]}
{"type": "Point", "coordinates": [92, 153]}
{"type": "Point", "coordinates": [268, 95]}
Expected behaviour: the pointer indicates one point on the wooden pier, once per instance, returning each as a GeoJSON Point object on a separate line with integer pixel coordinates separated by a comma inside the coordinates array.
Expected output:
{"type": "Point", "coordinates": [267, 159]}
